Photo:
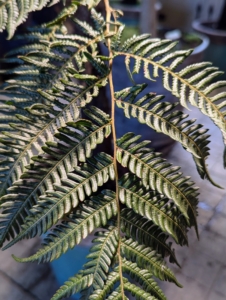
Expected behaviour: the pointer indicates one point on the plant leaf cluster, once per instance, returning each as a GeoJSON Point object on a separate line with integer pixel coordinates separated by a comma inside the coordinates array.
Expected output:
{"type": "Point", "coordinates": [56, 177]}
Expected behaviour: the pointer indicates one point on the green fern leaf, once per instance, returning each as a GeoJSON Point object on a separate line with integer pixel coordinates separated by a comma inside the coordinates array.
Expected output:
{"type": "Point", "coordinates": [49, 178]}
{"type": "Point", "coordinates": [138, 292]}
{"type": "Point", "coordinates": [145, 232]}
{"type": "Point", "coordinates": [117, 295]}
{"type": "Point", "coordinates": [55, 62]}
{"type": "Point", "coordinates": [65, 13]}
{"type": "Point", "coordinates": [146, 258]}
{"type": "Point", "coordinates": [87, 217]}
{"type": "Point", "coordinates": [58, 157]}
{"type": "Point", "coordinates": [195, 89]}
{"type": "Point", "coordinates": [73, 285]}
{"type": "Point", "coordinates": [86, 28]}
{"type": "Point", "coordinates": [66, 195]}
{"type": "Point", "coordinates": [89, 3]}
{"type": "Point", "coordinates": [43, 126]}
{"type": "Point", "coordinates": [144, 278]}
{"type": "Point", "coordinates": [162, 117]}
{"type": "Point", "coordinates": [100, 260]}
{"type": "Point", "coordinates": [154, 207]}
{"type": "Point", "coordinates": [100, 294]}
{"type": "Point", "coordinates": [158, 174]}
{"type": "Point", "coordinates": [14, 12]}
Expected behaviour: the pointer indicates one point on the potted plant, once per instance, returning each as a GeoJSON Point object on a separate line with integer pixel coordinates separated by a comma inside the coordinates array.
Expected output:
{"type": "Point", "coordinates": [216, 31]}
{"type": "Point", "coordinates": [56, 181]}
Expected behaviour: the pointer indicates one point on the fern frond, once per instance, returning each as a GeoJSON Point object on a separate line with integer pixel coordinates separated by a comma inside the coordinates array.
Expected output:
{"type": "Point", "coordinates": [58, 159]}
{"type": "Point", "coordinates": [162, 117]}
{"type": "Point", "coordinates": [99, 294]}
{"type": "Point", "coordinates": [57, 114]}
{"type": "Point", "coordinates": [67, 194]}
{"type": "Point", "coordinates": [147, 233]}
{"type": "Point", "coordinates": [15, 12]}
{"type": "Point", "coordinates": [147, 258]}
{"type": "Point", "coordinates": [100, 260]}
{"type": "Point", "coordinates": [63, 14]}
{"type": "Point", "coordinates": [51, 180]}
{"type": "Point", "coordinates": [117, 295]}
{"type": "Point", "coordinates": [98, 20]}
{"type": "Point", "coordinates": [74, 285]}
{"type": "Point", "coordinates": [153, 206]}
{"type": "Point", "coordinates": [144, 278]}
{"type": "Point", "coordinates": [38, 83]}
{"type": "Point", "coordinates": [138, 292]}
{"type": "Point", "coordinates": [158, 174]}
{"type": "Point", "coordinates": [86, 28]}
{"type": "Point", "coordinates": [191, 84]}
{"type": "Point", "coordinates": [87, 217]}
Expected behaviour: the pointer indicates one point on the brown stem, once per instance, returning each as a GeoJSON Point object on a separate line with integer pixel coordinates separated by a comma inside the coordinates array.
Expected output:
{"type": "Point", "coordinates": [108, 19]}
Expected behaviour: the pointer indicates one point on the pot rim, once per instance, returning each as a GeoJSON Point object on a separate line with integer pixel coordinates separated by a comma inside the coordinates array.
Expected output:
{"type": "Point", "coordinates": [205, 41]}
{"type": "Point", "coordinates": [200, 26]}
{"type": "Point", "coordinates": [202, 47]}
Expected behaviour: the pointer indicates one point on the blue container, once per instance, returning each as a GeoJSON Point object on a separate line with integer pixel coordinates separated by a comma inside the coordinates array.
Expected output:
{"type": "Point", "coordinates": [69, 264]}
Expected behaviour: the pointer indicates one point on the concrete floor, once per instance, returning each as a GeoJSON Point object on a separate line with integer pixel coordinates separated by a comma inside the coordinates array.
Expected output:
{"type": "Point", "coordinates": [203, 272]}
{"type": "Point", "coordinates": [27, 281]}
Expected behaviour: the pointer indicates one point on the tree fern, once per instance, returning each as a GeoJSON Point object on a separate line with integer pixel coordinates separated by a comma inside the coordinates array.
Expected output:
{"type": "Point", "coordinates": [57, 177]}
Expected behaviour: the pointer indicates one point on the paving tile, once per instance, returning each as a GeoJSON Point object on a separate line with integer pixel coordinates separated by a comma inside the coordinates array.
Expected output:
{"type": "Point", "coordinates": [215, 296]}
{"type": "Point", "coordinates": [46, 288]}
{"type": "Point", "coordinates": [218, 224]}
{"type": "Point", "coordinates": [191, 289]}
{"type": "Point", "coordinates": [221, 207]}
{"type": "Point", "coordinates": [26, 275]}
{"type": "Point", "coordinates": [215, 160]}
{"type": "Point", "coordinates": [201, 267]}
{"type": "Point", "coordinates": [27, 281]}
{"type": "Point", "coordinates": [219, 284]}
{"type": "Point", "coordinates": [182, 253]}
{"type": "Point", "coordinates": [11, 291]}
{"type": "Point", "coordinates": [14, 269]}
{"type": "Point", "coordinates": [21, 249]}
{"type": "Point", "coordinates": [212, 245]}
{"type": "Point", "coordinates": [210, 194]}
{"type": "Point", "coordinates": [205, 213]}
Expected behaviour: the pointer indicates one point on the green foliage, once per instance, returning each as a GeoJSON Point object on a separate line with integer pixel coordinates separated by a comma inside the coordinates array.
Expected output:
{"type": "Point", "coordinates": [60, 177]}
{"type": "Point", "coordinates": [14, 12]}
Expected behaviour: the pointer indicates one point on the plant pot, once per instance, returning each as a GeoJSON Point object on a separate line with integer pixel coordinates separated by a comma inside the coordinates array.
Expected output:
{"type": "Point", "coordinates": [198, 53]}
{"type": "Point", "coordinates": [188, 40]}
{"type": "Point", "coordinates": [217, 48]}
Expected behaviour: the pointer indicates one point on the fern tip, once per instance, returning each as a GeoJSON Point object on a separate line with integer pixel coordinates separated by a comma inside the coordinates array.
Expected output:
{"type": "Point", "coordinates": [16, 258]}
{"type": "Point", "coordinates": [208, 177]}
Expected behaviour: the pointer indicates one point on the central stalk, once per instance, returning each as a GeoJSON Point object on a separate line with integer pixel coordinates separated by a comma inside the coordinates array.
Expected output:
{"type": "Point", "coordinates": [114, 136]}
